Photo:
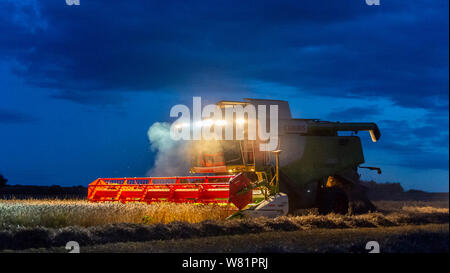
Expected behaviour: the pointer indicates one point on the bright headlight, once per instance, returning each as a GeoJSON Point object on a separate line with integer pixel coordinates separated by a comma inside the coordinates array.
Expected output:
{"type": "Point", "coordinates": [240, 121]}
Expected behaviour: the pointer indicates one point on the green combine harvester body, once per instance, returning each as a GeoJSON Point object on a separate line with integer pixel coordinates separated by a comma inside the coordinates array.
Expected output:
{"type": "Point", "coordinates": [317, 165]}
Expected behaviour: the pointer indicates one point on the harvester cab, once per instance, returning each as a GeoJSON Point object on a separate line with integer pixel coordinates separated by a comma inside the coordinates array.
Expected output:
{"type": "Point", "coordinates": [313, 165]}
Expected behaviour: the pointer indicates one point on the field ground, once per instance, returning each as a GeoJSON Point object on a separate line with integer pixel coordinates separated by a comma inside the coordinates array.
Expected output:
{"type": "Point", "coordinates": [432, 238]}
{"type": "Point", "coordinates": [47, 225]}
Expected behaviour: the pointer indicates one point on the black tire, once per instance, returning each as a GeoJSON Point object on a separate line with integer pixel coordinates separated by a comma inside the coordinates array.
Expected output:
{"type": "Point", "coordinates": [332, 200]}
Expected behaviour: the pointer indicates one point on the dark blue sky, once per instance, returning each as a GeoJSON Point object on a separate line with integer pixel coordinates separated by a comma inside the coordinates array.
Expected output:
{"type": "Point", "coordinates": [80, 85]}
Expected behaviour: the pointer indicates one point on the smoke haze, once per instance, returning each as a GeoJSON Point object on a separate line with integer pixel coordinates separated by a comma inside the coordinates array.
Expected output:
{"type": "Point", "coordinates": [172, 157]}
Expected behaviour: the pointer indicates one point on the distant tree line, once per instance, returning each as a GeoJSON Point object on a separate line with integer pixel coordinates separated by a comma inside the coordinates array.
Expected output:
{"type": "Point", "coordinates": [3, 181]}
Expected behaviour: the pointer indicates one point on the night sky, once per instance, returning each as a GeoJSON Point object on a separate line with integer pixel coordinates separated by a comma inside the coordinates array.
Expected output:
{"type": "Point", "coordinates": [81, 85]}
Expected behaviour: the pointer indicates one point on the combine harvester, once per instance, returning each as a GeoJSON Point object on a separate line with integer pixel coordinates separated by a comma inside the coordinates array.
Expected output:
{"type": "Point", "coordinates": [314, 166]}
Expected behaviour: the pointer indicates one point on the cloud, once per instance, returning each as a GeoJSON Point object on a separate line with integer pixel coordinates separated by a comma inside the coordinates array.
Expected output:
{"type": "Point", "coordinates": [423, 161]}
{"type": "Point", "coordinates": [96, 98]}
{"type": "Point", "coordinates": [93, 53]}
{"type": "Point", "coordinates": [418, 144]}
{"type": "Point", "coordinates": [328, 48]}
{"type": "Point", "coordinates": [13, 117]}
{"type": "Point", "coordinates": [355, 113]}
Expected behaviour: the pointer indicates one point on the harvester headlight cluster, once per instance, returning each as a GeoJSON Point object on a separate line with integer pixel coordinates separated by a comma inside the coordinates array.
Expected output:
{"type": "Point", "coordinates": [208, 122]}
{"type": "Point", "coordinates": [240, 121]}
{"type": "Point", "coordinates": [221, 122]}
{"type": "Point", "coordinates": [182, 125]}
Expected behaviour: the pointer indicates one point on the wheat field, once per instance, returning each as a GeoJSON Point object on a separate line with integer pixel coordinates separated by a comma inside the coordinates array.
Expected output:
{"type": "Point", "coordinates": [26, 224]}
{"type": "Point", "coordinates": [61, 213]}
